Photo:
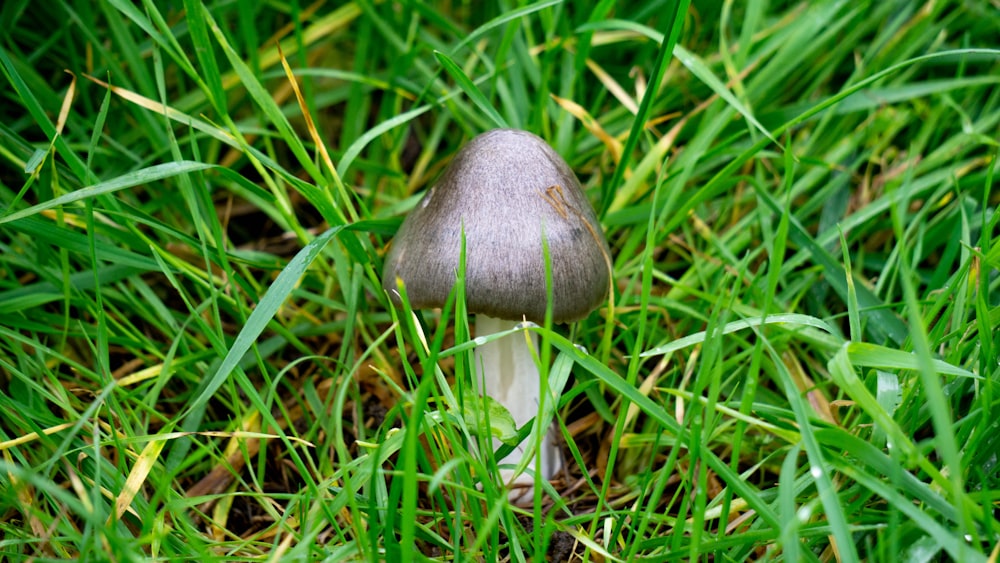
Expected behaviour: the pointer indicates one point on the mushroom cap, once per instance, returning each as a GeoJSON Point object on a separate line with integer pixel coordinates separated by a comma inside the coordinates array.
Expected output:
{"type": "Point", "coordinates": [504, 188]}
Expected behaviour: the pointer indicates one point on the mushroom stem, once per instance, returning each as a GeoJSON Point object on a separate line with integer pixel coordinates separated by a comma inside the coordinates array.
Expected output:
{"type": "Point", "coordinates": [510, 375]}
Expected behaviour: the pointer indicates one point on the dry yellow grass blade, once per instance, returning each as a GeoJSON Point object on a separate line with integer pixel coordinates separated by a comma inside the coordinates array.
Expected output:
{"type": "Point", "coordinates": [81, 490]}
{"type": "Point", "coordinates": [303, 17]}
{"type": "Point", "coordinates": [245, 441]}
{"type": "Point", "coordinates": [175, 115]}
{"type": "Point", "coordinates": [613, 145]}
{"type": "Point", "coordinates": [67, 103]}
{"type": "Point", "coordinates": [648, 383]}
{"type": "Point", "coordinates": [140, 376]}
{"type": "Point", "coordinates": [601, 38]}
{"type": "Point", "coordinates": [737, 507]}
{"type": "Point", "coordinates": [219, 526]}
{"type": "Point", "coordinates": [25, 496]}
{"type": "Point", "coordinates": [75, 221]}
{"type": "Point", "coordinates": [654, 158]}
{"type": "Point", "coordinates": [614, 87]}
{"type": "Point", "coordinates": [322, 28]}
{"type": "Point", "coordinates": [311, 127]}
{"type": "Point", "coordinates": [805, 384]}
{"type": "Point", "coordinates": [234, 435]}
{"type": "Point", "coordinates": [282, 548]}
{"type": "Point", "coordinates": [143, 464]}
{"type": "Point", "coordinates": [32, 436]}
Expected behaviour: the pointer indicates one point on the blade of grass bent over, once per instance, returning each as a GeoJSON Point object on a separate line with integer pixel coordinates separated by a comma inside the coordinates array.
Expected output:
{"type": "Point", "coordinates": [151, 174]}
{"type": "Point", "coordinates": [266, 309]}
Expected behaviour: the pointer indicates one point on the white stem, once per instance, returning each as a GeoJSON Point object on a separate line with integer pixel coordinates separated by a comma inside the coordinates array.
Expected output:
{"type": "Point", "coordinates": [511, 377]}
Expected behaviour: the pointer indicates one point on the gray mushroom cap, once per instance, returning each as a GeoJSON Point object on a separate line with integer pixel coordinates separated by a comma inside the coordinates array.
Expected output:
{"type": "Point", "coordinates": [504, 187]}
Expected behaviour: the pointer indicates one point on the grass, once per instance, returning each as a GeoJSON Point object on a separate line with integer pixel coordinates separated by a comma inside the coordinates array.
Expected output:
{"type": "Point", "coordinates": [800, 361]}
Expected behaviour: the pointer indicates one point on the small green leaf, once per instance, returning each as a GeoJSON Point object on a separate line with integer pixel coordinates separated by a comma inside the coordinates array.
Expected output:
{"type": "Point", "coordinates": [502, 425]}
{"type": "Point", "coordinates": [36, 159]}
{"type": "Point", "coordinates": [875, 356]}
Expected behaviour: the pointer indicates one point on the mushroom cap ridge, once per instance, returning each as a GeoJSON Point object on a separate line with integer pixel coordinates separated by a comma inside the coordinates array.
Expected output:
{"type": "Point", "coordinates": [503, 187]}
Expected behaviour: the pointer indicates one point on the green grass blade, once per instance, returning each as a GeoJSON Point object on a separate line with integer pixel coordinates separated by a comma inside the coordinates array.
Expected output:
{"type": "Point", "coordinates": [470, 89]}
{"type": "Point", "coordinates": [132, 179]}
{"type": "Point", "coordinates": [263, 314]}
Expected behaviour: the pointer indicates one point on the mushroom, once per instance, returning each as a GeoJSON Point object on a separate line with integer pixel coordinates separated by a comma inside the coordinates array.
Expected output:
{"type": "Point", "coordinates": [505, 190]}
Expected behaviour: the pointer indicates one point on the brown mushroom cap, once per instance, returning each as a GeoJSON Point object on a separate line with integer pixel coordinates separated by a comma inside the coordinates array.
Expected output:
{"type": "Point", "coordinates": [503, 188]}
